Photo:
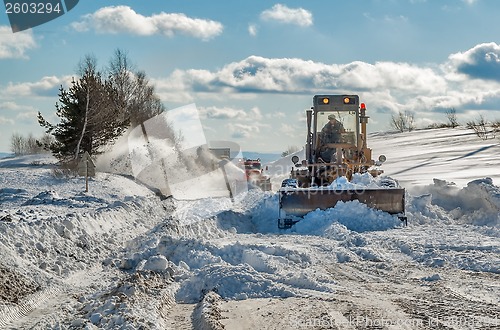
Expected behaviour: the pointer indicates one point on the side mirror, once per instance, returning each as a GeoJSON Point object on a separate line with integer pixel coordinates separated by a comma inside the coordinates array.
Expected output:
{"type": "Point", "coordinates": [382, 158]}
{"type": "Point", "coordinates": [295, 159]}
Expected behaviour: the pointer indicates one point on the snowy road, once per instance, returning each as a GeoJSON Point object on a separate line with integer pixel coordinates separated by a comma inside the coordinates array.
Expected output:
{"type": "Point", "coordinates": [120, 258]}
{"type": "Point", "coordinates": [229, 273]}
{"type": "Point", "coordinates": [405, 278]}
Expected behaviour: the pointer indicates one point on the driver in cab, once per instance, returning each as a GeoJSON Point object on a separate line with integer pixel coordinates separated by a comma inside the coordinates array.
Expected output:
{"type": "Point", "coordinates": [331, 133]}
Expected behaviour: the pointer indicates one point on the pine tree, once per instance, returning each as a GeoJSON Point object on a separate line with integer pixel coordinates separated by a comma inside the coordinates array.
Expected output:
{"type": "Point", "coordinates": [87, 120]}
{"type": "Point", "coordinates": [94, 111]}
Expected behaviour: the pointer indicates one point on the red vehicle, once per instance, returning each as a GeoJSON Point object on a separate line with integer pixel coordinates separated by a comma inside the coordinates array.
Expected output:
{"type": "Point", "coordinates": [255, 174]}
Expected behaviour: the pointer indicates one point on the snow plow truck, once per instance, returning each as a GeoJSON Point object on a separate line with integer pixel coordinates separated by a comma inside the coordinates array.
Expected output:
{"type": "Point", "coordinates": [336, 151]}
{"type": "Point", "coordinates": [255, 174]}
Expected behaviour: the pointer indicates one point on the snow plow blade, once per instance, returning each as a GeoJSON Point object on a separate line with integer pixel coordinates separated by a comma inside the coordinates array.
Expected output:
{"type": "Point", "coordinates": [295, 203]}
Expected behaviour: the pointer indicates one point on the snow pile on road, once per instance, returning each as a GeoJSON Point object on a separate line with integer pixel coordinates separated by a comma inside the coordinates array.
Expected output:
{"type": "Point", "coordinates": [361, 182]}
{"type": "Point", "coordinates": [478, 203]}
{"type": "Point", "coordinates": [53, 235]}
{"type": "Point", "coordinates": [353, 215]}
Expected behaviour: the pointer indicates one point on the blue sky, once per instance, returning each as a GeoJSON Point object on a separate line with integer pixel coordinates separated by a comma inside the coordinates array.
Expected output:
{"type": "Point", "coordinates": [252, 67]}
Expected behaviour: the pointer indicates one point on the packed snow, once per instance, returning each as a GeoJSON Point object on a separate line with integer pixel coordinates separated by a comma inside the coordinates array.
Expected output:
{"type": "Point", "coordinates": [121, 257]}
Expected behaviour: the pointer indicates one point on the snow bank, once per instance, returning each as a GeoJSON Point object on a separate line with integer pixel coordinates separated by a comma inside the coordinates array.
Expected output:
{"type": "Point", "coordinates": [233, 270]}
{"type": "Point", "coordinates": [231, 282]}
{"type": "Point", "coordinates": [478, 203]}
{"type": "Point", "coordinates": [44, 160]}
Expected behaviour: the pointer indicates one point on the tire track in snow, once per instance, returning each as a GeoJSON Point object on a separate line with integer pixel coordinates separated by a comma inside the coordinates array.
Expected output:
{"type": "Point", "coordinates": [10, 314]}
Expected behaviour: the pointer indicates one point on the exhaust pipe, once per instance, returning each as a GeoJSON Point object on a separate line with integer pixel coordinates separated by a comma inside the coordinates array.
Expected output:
{"type": "Point", "coordinates": [309, 136]}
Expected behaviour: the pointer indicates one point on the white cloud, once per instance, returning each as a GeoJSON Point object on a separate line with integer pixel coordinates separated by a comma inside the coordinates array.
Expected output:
{"type": "Point", "coordinates": [221, 113]}
{"type": "Point", "coordinates": [396, 19]}
{"type": "Point", "coordinates": [12, 106]}
{"type": "Point", "coordinates": [283, 14]}
{"type": "Point", "coordinates": [243, 131]}
{"type": "Point", "coordinates": [252, 30]}
{"type": "Point", "coordinates": [6, 121]}
{"type": "Point", "coordinates": [9, 106]}
{"type": "Point", "coordinates": [29, 117]}
{"type": "Point", "coordinates": [481, 61]}
{"type": "Point", "coordinates": [385, 86]}
{"type": "Point", "coordinates": [47, 86]}
{"type": "Point", "coordinates": [174, 88]}
{"type": "Point", "coordinates": [290, 130]}
{"type": "Point", "coordinates": [277, 114]}
{"type": "Point", "coordinates": [15, 45]}
{"type": "Point", "coordinates": [291, 75]}
{"type": "Point", "coordinates": [213, 112]}
{"type": "Point", "coordinates": [471, 55]}
{"type": "Point", "coordinates": [255, 113]}
{"type": "Point", "coordinates": [123, 19]}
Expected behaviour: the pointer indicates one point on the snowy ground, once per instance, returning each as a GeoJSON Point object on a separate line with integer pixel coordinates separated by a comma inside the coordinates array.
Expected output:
{"type": "Point", "coordinates": [118, 257]}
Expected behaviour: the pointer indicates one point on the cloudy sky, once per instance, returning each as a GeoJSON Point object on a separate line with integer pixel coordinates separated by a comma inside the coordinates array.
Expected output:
{"type": "Point", "coordinates": [252, 67]}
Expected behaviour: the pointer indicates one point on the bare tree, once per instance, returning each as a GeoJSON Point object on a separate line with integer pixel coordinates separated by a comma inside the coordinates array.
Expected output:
{"type": "Point", "coordinates": [495, 126]}
{"type": "Point", "coordinates": [120, 76]}
{"type": "Point", "coordinates": [410, 118]}
{"type": "Point", "coordinates": [480, 127]}
{"type": "Point", "coordinates": [134, 95]}
{"type": "Point", "coordinates": [31, 147]}
{"type": "Point", "coordinates": [21, 145]}
{"type": "Point", "coordinates": [451, 114]}
{"type": "Point", "coordinates": [403, 121]}
{"type": "Point", "coordinates": [17, 144]}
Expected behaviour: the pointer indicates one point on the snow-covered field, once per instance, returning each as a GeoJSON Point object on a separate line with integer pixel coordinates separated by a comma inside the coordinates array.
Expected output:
{"type": "Point", "coordinates": [118, 257]}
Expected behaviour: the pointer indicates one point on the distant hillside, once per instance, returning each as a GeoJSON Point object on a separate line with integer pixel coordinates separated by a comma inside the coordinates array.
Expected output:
{"type": "Point", "coordinates": [5, 154]}
{"type": "Point", "coordinates": [453, 154]}
{"type": "Point", "coordinates": [416, 158]}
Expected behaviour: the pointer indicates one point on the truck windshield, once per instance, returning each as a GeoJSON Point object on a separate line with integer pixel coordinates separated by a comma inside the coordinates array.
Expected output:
{"type": "Point", "coordinates": [252, 166]}
{"type": "Point", "coordinates": [341, 129]}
